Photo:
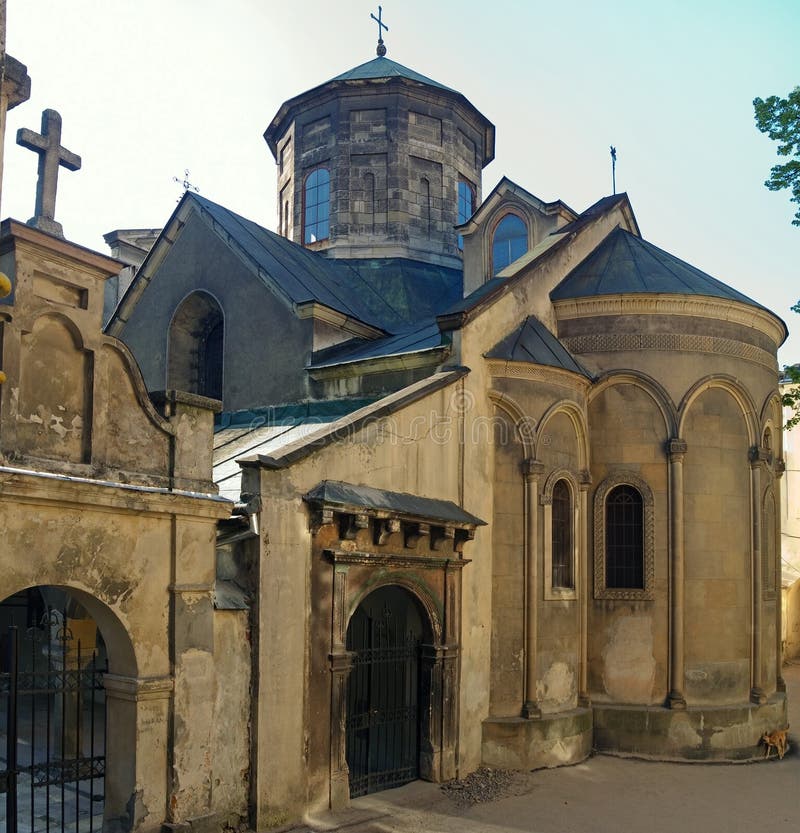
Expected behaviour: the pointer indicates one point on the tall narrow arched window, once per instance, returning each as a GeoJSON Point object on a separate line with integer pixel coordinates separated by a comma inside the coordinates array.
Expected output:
{"type": "Point", "coordinates": [563, 548]}
{"type": "Point", "coordinates": [624, 538]}
{"type": "Point", "coordinates": [317, 206]}
{"type": "Point", "coordinates": [509, 241]}
{"type": "Point", "coordinates": [196, 346]}
{"type": "Point", "coordinates": [466, 205]}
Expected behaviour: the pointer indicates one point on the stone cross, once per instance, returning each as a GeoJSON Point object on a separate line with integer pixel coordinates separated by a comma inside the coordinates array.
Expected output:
{"type": "Point", "coordinates": [381, 50]}
{"type": "Point", "coordinates": [48, 145]}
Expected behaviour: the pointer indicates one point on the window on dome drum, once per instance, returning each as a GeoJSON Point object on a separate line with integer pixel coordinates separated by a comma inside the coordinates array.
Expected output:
{"type": "Point", "coordinates": [562, 569]}
{"type": "Point", "coordinates": [317, 206]}
{"type": "Point", "coordinates": [509, 242]}
{"type": "Point", "coordinates": [466, 205]}
{"type": "Point", "coordinates": [624, 538]}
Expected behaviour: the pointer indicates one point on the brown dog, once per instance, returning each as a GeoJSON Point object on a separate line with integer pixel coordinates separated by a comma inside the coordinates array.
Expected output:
{"type": "Point", "coordinates": [776, 739]}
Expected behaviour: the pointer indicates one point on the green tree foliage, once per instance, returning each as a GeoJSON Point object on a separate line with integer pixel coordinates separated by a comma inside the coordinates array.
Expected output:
{"type": "Point", "coordinates": [779, 118]}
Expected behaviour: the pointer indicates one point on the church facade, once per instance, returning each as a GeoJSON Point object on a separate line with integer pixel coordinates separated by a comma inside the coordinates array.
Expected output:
{"type": "Point", "coordinates": [501, 476]}
{"type": "Point", "coordinates": [516, 466]}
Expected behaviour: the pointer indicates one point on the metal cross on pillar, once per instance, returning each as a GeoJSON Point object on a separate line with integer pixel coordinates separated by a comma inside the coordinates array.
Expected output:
{"type": "Point", "coordinates": [381, 50]}
{"type": "Point", "coordinates": [51, 155]}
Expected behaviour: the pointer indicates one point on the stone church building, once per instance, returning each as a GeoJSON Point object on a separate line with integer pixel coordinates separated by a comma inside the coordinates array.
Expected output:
{"type": "Point", "coordinates": [502, 476]}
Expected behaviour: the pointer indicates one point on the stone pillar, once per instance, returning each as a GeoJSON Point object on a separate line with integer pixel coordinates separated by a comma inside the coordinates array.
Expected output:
{"type": "Point", "coordinates": [780, 683]}
{"type": "Point", "coordinates": [533, 470]}
{"type": "Point", "coordinates": [757, 694]}
{"type": "Point", "coordinates": [583, 588]}
{"type": "Point", "coordinates": [341, 661]}
{"type": "Point", "coordinates": [137, 720]}
{"type": "Point", "coordinates": [676, 450]}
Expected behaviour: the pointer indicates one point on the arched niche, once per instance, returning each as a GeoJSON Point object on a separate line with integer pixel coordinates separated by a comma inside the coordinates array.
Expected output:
{"type": "Point", "coordinates": [196, 346]}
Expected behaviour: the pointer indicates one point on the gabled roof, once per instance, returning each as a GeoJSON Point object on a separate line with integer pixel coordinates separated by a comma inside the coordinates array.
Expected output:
{"type": "Point", "coordinates": [493, 289]}
{"type": "Point", "coordinates": [302, 275]}
{"type": "Point", "coordinates": [625, 264]}
{"type": "Point", "coordinates": [382, 67]}
{"type": "Point", "coordinates": [384, 294]}
{"type": "Point", "coordinates": [535, 344]}
{"type": "Point", "coordinates": [507, 186]}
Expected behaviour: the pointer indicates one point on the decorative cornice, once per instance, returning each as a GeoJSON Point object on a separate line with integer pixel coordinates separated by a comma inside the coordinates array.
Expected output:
{"type": "Point", "coordinates": [691, 306]}
{"type": "Point", "coordinates": [423, 562]}
{"type": "Point", "coordinates": [537, 372]}
{"type": "Point", "coordinates": [321, 312]}
{"type": "Point", "coordinates": [670, 342]}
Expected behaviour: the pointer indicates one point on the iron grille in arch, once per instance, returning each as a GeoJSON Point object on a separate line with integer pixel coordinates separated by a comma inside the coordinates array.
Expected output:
{"type": "Point", "coordinates": [52, 731]}
{"type": "Point", "coordinates": [382, 702]}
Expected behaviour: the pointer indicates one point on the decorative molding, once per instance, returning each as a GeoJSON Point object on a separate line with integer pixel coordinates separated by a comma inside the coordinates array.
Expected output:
{"type": "Point", "coordinates": [676, 449]}
{"type": "Point", "coordinates": [670, 342]}
{"type": "Point", "coordinates": [647, 593]}
{"type": "Point", "coordinates": [424, 562]}
{"type": "Point", "coordinates": [693, 307]}
{"type": "Point", "coordinates": [136, 689]}
{"type": "Point", "coordinates": [538, 373]}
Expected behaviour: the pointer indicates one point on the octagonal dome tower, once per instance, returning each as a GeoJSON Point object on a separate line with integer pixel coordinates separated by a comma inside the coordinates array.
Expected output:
{"type": "Point", "coordinates": [379, 162]}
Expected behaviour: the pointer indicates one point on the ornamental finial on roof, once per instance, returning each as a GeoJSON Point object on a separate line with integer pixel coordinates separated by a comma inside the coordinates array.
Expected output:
{"type": "Point", "coordinates": [381, 50]}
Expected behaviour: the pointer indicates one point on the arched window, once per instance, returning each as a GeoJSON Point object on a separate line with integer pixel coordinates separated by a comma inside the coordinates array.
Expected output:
{"type": "Point", "coordinates": [562, 554]}
{"type": "Point", "coordinates": [466, 205]}
{"type": "Point", "coordinates": [317, 203]}
{"type": "Point", "coordinates": [510, 241]}
{"type": "Point", "coordinates": [624, 538]}
{"type": "Point", "coordinates": [196, 342]}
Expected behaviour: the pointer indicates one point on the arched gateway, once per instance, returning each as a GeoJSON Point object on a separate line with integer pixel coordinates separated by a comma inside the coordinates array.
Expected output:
{"type": "Point", "coordinates": [55, 648]}
{"type": "Point", "coordinates": [385, 698]}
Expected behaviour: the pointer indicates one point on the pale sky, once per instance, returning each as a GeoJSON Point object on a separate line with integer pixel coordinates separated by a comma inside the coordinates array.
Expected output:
{"type": "Point", "coordinates": [149, 88]}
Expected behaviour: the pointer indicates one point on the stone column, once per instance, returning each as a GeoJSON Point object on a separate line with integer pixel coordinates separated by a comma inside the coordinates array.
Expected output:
{"type": "Point", "coordinates": [780, 683]}
{"type": "Point", "coordinates": [757, 694]}
{"type": "Point", "coordinates": [138, 720]}
{"type": "Point", "coordinates": [533, 471]}
{"type": "Point", "coordinates": [583, 588]}
{"type": "Point", "coordinates": [676, 450]}
{"type": "Point", "coordinates": [341, 661]}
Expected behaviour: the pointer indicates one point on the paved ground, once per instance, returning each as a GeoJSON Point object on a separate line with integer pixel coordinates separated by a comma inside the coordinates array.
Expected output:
{"type": "Point", "coordinates": [605, 795]}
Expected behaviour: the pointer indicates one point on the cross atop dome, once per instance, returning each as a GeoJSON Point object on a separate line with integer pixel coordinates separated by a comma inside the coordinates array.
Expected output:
{"type": "Point", "coordinates": [381, 50]}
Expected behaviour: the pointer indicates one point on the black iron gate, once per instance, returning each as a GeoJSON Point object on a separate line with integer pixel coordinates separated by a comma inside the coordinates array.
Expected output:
{"type": "Point", "coordinates": [383, 695]}
{"type": "Point", "coordinates": [52, 732]}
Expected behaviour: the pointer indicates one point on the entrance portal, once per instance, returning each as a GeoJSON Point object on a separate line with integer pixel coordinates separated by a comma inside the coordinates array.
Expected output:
{"type": "Point", "coordinates": [52, 714]}
{"type": "Point", "coordinates": [383, 692]}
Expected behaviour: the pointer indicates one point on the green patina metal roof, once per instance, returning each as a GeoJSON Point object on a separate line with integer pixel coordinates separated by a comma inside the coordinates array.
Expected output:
{"type": "Point", "coordinates": [386, 68]}
{"type": "Point", "coordinates": [625, 264]}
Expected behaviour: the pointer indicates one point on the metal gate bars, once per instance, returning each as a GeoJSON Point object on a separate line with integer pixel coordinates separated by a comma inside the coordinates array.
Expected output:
{"type": "Point", "coordinates": [52, 731]}
{"type": "Point", "coordinates": [382, 714]}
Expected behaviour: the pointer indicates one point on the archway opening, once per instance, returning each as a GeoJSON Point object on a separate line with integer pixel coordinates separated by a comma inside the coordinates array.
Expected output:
{"type": "Point", "coordinates": [386, 691]}
{"type": "Point", "coordinates": [53, 658]}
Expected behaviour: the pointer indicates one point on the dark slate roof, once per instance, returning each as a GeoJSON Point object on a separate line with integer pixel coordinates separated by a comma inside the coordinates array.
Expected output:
{"type": "Point", "coordinates": [348, 495]}
{"type": "Point", "coordinates": [301, 274]}
{"type": "Point", "coordinates": [386, 68]}
{"type": "Point", "coordinates": [426, 336]}
{"type": "Point", "coordinates": [624, 263]}
{"type": "Point", "coordinates": [592, 213]}
{"type": "Point", "coordinates": [535, 344]}
{"type": "Point", "coordinates": [387, 293]}
{"type": "Point", "coordinates": [412, 289]}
